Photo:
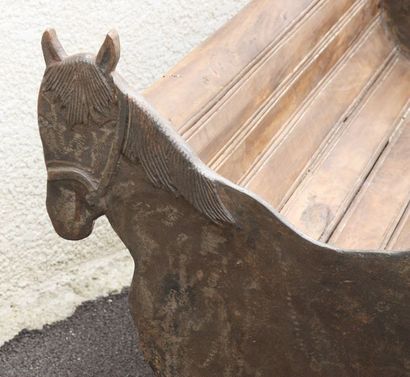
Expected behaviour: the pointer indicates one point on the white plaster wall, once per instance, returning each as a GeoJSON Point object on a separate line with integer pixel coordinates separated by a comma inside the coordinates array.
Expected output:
{"type": "Point", "coordinates": [42, 277]}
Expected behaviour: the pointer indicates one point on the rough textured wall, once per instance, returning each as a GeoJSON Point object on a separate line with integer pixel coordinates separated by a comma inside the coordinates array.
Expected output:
{"type": "Point", "coordinates": [42, 277]}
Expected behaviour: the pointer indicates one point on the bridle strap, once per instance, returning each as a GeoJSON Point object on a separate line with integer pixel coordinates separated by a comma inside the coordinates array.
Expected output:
{"type": "Point", "coordinates": [117, 146]}
{"type": "Point", "coordinates": [59, 170]}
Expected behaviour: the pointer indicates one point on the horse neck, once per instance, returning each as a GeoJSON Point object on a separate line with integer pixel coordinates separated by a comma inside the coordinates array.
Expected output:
{"type": "Point", "coordinates": [140, 213]}
{"type": "Point", "coordinates": [147, 192]}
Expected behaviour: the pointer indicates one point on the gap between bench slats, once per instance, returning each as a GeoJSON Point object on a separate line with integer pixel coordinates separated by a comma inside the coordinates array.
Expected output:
{"type": "Point", "coordinates": [322, 199]}
{"type": "Point", "coordinates": [400, 239]}
{"type": "Point", "coordinates": [238, 154]}
{"type": "Point", "coordinates": [284, 160]}
{"type": "Point", "coordinates": [211, 134]}
{"type": "Point", "coordinates": [373, 216]}
{"type": "Point", "coordinates": [197, 82]}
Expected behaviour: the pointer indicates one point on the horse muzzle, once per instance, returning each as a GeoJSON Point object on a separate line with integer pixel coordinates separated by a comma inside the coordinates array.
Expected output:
{"type": "Point", "coordinates": [69, 201]}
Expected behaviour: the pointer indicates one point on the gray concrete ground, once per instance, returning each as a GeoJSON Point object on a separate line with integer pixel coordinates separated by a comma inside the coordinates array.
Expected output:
{"type": "Point", "coordinates": [97, 340]}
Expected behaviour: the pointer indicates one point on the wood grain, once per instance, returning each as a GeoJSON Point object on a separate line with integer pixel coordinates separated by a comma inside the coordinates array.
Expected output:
{"type": "Point", "coordinates": [210, 135]}
{"type": "Point", "coordinates": [400, 239]}
{"type": "Point", "coordinates": [321, 200]}
{"type": "Point", "coordinates": [374, 214]}
{"type": "Point", "coordinates": [275, 91]}
{"type": "Point", "coordinates": [304, 134]}
{"type": "Point", "coordinates": [249, 141]}
{"type": "Point", "coordinates": [194, 85]}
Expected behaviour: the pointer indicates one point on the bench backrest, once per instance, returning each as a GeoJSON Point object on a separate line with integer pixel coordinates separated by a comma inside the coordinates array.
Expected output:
{"type": "Point", "coordinates": [234, 94]}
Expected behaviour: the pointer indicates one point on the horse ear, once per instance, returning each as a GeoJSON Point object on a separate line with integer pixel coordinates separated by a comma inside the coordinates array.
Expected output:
{"type": "Point", "coordinates": [52, 50]}
{"type": "Point", "coordinates": [109, 53]}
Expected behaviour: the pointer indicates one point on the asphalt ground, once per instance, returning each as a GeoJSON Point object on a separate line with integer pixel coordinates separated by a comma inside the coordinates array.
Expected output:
{"type": "Point", "coordinates": [97, 340]}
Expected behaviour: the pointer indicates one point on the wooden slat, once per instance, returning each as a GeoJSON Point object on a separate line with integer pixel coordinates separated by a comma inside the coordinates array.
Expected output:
{"type": "Point", "coordinates": [211, 134]}
{"type": "Point", "coordinates": [320, 201]}
{"type": "Point", "coordinates": [193, 85]}
{"type": "Point", "coordinates": [375, 212]}
{"type": "Point", "coordinates": [283, 161]}
{"type": "Point", "coordinates": [250, 140]}
{"type": "Point", "coordinates": [400, 239]}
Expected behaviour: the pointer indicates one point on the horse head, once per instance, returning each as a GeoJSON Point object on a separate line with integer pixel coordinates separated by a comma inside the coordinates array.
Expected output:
{"type": "Point", "coordinates": [78, 115]}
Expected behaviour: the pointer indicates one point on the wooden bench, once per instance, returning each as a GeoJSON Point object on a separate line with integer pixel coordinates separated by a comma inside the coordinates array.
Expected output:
{"type": "Point", "coordinates": [304, 104]}
{"type": "Point", "coordinates": [246, 184]}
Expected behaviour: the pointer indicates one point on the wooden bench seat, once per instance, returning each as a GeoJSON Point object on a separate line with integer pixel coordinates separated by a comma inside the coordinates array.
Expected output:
{"type": "Point", "coordinates": [304, 107]}
{"type": "Point", "coordinates": [305, 104]}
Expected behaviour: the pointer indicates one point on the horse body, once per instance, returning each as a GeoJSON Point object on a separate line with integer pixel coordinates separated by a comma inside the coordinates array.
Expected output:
{"type": "Point", "coordinates": [222, 286]}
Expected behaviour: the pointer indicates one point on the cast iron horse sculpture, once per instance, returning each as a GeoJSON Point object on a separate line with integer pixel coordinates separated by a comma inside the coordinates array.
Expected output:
{"type": "Point", "coordinates": [222, 285]}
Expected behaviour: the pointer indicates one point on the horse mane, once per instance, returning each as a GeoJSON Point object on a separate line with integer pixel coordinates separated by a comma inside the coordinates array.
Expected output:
{"type": "Point", "coordinates": [81, 87]}
{"type": "Point", "coordinates": [169, 163]}
{"type": "Point", "coordinates": [166, 159]}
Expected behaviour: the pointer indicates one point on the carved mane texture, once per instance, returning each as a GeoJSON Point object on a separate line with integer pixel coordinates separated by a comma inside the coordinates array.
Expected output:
{"type": "Point", "coordinates": [168, 163]}
{"type": "Point", "coordinates": [81, 88]}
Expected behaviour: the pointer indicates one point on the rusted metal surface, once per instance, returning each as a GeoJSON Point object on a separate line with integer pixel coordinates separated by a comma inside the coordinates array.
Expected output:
{"type": "Point", "coordinates": [222, 285]}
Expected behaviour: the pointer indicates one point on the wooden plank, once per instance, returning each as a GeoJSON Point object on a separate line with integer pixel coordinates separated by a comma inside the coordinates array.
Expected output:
{"type": "Point", "coordinates": [379, 205]}
{"type": "Point", "coordinates": [192, 87]}
{"type": "Point", "coordinates": [323, 197]}
{"type": "Point", "coordinates": [400, 239]}
{"type": "Point", "coordinates": [211, 133]}
{"type": "Point", "coordinates": [249, 141]}
{"type": "Point", "coordinates": [283, 161]}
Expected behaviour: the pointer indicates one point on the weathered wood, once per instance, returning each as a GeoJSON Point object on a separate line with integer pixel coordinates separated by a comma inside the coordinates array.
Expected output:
{"type": "Point", "coordinates": [214, 132]}
{"type": "Point", "coordinates": [223, 285]}
{"type": "Point", "coordinates": [322, 199]}
{"type": "Point", "coordinates": [238, 155]}
{"type": "Point", "coordinates": [304, 133]}
{"type": "Point", "coordinates": [373, 216]}
{"type": "Point", "coordinates": [208, 73]}
{"type": "Point", "coordinates": [400, 238]}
